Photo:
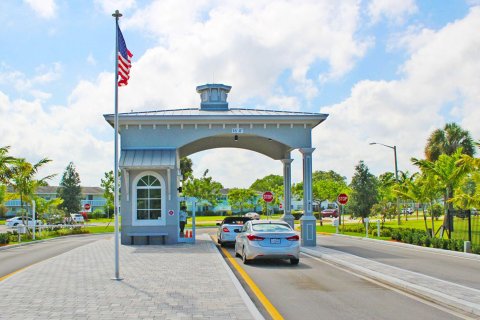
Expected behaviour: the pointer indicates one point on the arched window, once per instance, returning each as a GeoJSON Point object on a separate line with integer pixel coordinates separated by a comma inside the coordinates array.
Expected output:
{"type": "Point", "coordinates": [148, 192]}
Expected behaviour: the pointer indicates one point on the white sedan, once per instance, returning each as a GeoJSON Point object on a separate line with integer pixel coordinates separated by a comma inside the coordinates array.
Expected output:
{"type": "Point", "coordinates": [13, 222]}
{"type": "Point", "coordinates": [227, 229]}
{"type": "Point", "coordinates": [267, 239]}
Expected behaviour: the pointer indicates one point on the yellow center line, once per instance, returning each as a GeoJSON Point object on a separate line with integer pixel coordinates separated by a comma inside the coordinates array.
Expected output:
{"type": "Point", "coordinates": [12, 273]}
{"type": "Point", "coordinates": [255, 289]}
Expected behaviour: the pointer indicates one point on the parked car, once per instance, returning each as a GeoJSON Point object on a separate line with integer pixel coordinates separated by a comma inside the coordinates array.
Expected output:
{"type": "Point", "coordinates": [407, 210]}
{"type": "Point", "coordinates": [252, 215]}
{"type": "Point", "coordinates": [13, 222]}
{"type": "Point", "coordinates": [77, 218]}
{"type": "Point", "coordinates": [226, 229]}
{"type": "Point", "coordinates": [330, 213]}
{"type": "Point", "coordinates": [267, 239]}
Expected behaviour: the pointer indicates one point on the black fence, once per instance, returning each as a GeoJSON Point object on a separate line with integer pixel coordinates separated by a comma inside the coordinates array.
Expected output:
{"type": "Point", "coordinates": [464, 225]}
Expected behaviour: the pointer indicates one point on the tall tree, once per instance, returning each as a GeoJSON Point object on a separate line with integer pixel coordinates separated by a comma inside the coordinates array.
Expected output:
{"type": "Point", "coordinates": [326, 185]}
{"type": "Point", "coordinates": [447, 141]}
{"type": "Point", "coordinates": [467, 194]}
{"type": "Point", "coordinates": [364, 191]}
{"type": "Point", "coordinates": [241, 198]}
{"type": "Point", "coordinates": [204, 189]}
{"type": "Point", "coordinates": [267, 183]}
{"type": "Point", "coordinates": [108, 184]}
{"type": "Point", "coordinates": [70, 190]}
{"type": "Point", "coordinates": [186, 167]}
{"type": "Point", "coordinates": [24, 183]}
{"type": "Point", "coordinates": [448, 174]}
{"type": "Point", "coordinates": [5, 162]}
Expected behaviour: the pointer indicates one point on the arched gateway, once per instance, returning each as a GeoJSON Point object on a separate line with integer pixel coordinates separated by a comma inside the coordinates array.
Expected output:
{"type": "Point", "coordinates": [153, 142]}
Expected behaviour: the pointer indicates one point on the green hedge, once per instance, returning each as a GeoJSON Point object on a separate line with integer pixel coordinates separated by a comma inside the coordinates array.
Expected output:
{"type": "Point", "coordinates": [4, 238]}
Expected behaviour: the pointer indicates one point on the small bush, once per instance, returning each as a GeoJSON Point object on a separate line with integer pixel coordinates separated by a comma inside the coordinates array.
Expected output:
{"type": "Point", "coordinates": [4, 238]}
{"type": "Point", "coordinates": [445, 244]}
{"type": "Point", "coordinates": [427, 241]}
{"type": "Point", "coordinates": [437, 243]}
{"type": "Point", "coordinates": [476, 249]}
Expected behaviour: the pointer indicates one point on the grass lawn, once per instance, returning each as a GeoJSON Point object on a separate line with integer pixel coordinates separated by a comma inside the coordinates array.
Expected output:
{"type": "Point", "coordinates": [103, 220]}
{"type": "Point", "coordinates": [2, 222]}
{"type": "Point", "coordinates": [101, 229]}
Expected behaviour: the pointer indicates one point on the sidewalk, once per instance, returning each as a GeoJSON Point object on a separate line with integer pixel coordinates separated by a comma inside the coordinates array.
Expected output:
{"type": "Point", "coordinates": [443, 292]}
{"type": "Point", "coordinates": [183, 281]}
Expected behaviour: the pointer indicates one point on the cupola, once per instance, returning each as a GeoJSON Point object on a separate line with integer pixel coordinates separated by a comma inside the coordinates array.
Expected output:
{"type": "Point", "coordinates": [213, 96]}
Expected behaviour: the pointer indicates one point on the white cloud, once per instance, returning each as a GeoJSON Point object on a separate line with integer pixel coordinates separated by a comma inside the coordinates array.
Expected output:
{"type": "Point", "coordinates": [43, 76]}
{"type": "Point", "coordinates": [393, 10]}
{"type": "Point", "coordinates": [245, 44]}
{"type": "Point", "coordinates": [439, 84]}
{"type": "Point", "coordinates": [44, 8]}
{"type": "Point", "coordinates": [91, 60]}
{"type": "Point", "coordinates": [63, 133]}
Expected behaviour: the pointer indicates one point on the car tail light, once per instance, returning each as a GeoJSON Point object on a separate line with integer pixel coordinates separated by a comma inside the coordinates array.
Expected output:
{"type": "Point", "coordinates": [252, 237]}
{"type": "Point", "coordinates": [293, 238]}
{"type": "Point", "coordinates": [225, 229]}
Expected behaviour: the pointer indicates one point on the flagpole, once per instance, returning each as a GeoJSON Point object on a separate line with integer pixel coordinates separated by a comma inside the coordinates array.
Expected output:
{"type": "Point", "coordinates": [117, 15]}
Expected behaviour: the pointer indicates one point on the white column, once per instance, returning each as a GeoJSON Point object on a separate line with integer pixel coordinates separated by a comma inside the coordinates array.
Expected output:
{"type": "Point", "coordinates": [287, 192]}
{"type": "Point", "coordinates": [308, 222]}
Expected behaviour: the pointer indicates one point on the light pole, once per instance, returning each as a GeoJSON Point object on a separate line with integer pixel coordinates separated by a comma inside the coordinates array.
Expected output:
{"type": "Point", "coordinates": [396, 170]}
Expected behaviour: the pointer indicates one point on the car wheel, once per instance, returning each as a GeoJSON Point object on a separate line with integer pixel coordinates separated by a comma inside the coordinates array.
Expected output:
{"type": "Point", "coordinates": [294, 261]}
{"type": "Point", "coordinates": [15, 224]}
{"type": "Point", "coordinates": [244, 258]}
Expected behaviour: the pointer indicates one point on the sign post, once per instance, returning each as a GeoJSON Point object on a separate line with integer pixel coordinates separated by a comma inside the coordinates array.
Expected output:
{"type": "Point", "coordinates": [267, 197]}
{"type": "Point", "coordinates": [342, 199]}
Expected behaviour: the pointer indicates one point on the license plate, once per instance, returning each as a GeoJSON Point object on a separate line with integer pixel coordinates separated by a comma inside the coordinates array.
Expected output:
{"type": "Point", "coordinates": [274, 241]}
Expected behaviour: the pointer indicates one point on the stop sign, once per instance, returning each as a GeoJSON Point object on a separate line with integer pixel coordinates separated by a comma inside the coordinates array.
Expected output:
{"type": "Point", "coordinates": [268, 196]}
{"type": "Point", "coordinates": [342, 198]}
{"type": "Point", "coordinates": [86, 206]}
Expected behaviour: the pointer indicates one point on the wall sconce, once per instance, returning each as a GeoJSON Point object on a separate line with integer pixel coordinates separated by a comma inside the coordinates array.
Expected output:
{"type": "Point", "coordinates": [235, 138]}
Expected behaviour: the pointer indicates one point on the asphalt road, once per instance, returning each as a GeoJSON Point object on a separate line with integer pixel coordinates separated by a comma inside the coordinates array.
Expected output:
{"type": "Point", "coordinates": [442, 265]}
{"type": "Point", "coordinates": [13, 259]}
{"type": "Point", "coordinates": [318, 290]}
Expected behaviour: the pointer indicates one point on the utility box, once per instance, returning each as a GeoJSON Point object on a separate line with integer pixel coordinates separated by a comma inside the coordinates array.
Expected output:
{"type": "Point", "coordinates": [21, 228]}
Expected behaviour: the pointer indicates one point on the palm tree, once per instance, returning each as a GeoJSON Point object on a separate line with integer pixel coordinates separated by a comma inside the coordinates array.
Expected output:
{"type": "Point", "coordinates": [448, 174]}
{"type": "Point", "coordinates": [467, 194]}
{"type": "Point", "coordinates": [23, 180]}
{"type": "Point", "coordinates": [5, 161]}
{"type": "Point", "coordinates": [447, 141]}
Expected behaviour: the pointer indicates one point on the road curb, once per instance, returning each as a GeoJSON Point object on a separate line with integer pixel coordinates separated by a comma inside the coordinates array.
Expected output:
{"type": "Point", "coordinates": [413, 246]}
{"type": "Point", "coordinates": [10, 246]}
{"type": "Point", "coordinates": [412, 288]}
{"type": "Point", "coordinates": [243, 294]}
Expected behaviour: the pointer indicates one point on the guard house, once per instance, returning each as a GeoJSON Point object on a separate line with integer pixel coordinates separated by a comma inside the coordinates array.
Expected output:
{"type": "Point", "coordinates": [153, 142]}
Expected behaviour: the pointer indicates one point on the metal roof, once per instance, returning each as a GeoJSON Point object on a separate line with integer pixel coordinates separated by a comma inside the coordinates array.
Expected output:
{"type": "Point", "coordinates": [147, 158]}
{"type": "Point", "coordinates": [229, 112]}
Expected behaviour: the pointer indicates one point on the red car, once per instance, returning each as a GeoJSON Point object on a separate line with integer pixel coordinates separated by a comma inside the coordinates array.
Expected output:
{"type": "Point", "coordinates": [330, 213]}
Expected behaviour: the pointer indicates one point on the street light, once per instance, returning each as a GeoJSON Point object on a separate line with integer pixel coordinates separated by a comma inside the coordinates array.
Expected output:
{"type": "Point", "coordinates": [396, 170]}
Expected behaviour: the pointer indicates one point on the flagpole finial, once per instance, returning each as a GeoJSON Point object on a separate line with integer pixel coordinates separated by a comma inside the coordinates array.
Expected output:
{"type": "Point", "coordinates": [117, 14]}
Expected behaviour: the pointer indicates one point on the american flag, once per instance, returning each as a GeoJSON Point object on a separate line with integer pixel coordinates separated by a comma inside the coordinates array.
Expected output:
{"type": "Point", "coordinates": [124, 63]}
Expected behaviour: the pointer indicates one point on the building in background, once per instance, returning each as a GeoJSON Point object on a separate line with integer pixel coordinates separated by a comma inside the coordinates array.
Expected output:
{"type": "Point", "coordinates": [93, 196]}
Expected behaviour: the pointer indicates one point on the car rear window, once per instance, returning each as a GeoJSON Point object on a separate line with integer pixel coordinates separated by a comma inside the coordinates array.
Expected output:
{"type": "Point", "coordinates": [271, 227]}
{"type": "Point", "coordinates": [238, 220]}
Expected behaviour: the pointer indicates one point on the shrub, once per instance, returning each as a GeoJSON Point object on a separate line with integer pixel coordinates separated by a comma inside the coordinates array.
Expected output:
{"type": "Point", "coordinates": [427, 241]}
{"type": "Point", "coordinates": [475, 249]}
{"type": "Point", "coordinates": [437, 243]}
{"type": "Point", "coordinates": [297, 216]}
{"type": "Point", "coordinates": [445, 243]}
{"type": "Point", "coordinates": [4, 238]}
{"type": "Point", "coordinates": [98, 213]}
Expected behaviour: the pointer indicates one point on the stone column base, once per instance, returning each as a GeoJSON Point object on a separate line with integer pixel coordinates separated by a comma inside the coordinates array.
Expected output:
{"type": "Point", "coordinates": [308, 231]}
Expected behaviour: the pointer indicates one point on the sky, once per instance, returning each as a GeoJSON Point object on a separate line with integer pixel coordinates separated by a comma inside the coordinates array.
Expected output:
{"type": "Point", "coordinates": [385, 71]}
